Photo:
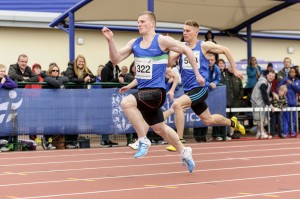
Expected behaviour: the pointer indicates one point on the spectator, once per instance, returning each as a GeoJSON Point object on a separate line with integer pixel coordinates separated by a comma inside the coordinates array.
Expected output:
{"type": "Point", "coordinates": [253, 74]}
{"type": "Point", "coordinates": [213, 79]}
{"type": "Point", "coordinates": [269, 68]}
{"type": "Point", "coordinates": [209, 36]}
{"type": "Point", "coordinates": [110, 73]}
{"type": "Point", "coordinates": [20, 72]}
{"type": "Point", "coordinates": [124, 71]}
{"type": "Point", "coordinates": [53, 77]}
{"type": "Point", "coordinates": [284, 72]}
{"type": "Point", "coordinates": [54, 80]}
{"type": "Point", "coordinates": [279, 101]}
{"type": "Point", "coordinates": [293, 87]}
{"type": "Point", "coordinates": [79, 73]}
{"type": "Point", "coordinates": [131, 75]}
{"type": "Point", "coordinates": [98, 77]}
{"type": "Point", "coordinates": [237, 96]}
{"type": "Point", "coordinates": [5, 81]}
{"type": "Point", "coordinates": [260, 99]}
{"type": "Point", "coordinates": [36, 68]}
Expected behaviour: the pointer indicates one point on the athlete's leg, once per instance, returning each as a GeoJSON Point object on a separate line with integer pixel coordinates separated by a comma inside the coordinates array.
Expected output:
{"type": "Point", "coordinates": [179, 105]}
{"type": "Point", "coordinates": [171, 136]}
{"type": "Point", "coordinates": [210, 119]}
{"type": "Point", "coordinates": [168, 134]}
{"type": "Point", "coordinates": [129, 106]}
{"type": "Point", "coordinates": [214, 119]}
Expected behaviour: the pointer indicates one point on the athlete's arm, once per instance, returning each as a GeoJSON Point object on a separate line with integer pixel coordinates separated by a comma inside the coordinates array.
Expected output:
{"type": "Point", "coordinates": [210, 47]}
{"type": "Point", "coordinates": [173, 57]}
{"type": "Point", "coordinates": [129, 86]}
{"type": "Point", "coordinates": [175, 78]}
{"type": "Point", "coordinates": [116, 56]}
{"type": "Point", "coordinates": [168, 43]}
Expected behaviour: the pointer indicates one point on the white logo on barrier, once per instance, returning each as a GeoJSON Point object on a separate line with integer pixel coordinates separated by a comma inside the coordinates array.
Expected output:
{"type": "Point", "coordinates": [119, 118]}
{"type": "Point", "coordinates": [12, 107]}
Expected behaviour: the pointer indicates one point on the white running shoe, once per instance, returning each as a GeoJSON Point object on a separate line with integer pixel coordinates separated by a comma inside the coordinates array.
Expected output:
{"type": "Point", "coordinates": [3, 142]}
{"type": "Point", "coordinates": [187, 159]}
{"type": "Point", "coordinates": [135, 145]}
{"type": "Point", "coordinates": [143, 148]}
{"type": "Point", "coordinates": [265, 136]}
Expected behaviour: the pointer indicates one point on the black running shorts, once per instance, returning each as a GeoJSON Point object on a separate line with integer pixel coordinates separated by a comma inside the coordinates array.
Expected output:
{"type": "Point", "coordinates": [198, 97]}
{"type": "Point", "coordinates": [149, 102]}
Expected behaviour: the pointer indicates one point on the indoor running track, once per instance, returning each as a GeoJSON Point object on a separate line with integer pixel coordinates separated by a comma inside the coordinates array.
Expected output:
{"type": "Point", "coordinates": [235, 169]}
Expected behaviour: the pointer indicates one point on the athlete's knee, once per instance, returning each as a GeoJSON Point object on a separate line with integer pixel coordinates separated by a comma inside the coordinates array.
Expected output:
{"type": "Point", "coordinates": [126, 103]}
{"type": "Point", "coordinates": [207, 121]}
{"type": "Point", "coordinates": [160, 129]}
{"type": "Point", "coordinates": [176, 105]}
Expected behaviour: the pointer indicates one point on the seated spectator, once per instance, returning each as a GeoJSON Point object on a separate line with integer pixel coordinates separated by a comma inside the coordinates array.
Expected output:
{"type": "Point", "coordinates": [20, 72]}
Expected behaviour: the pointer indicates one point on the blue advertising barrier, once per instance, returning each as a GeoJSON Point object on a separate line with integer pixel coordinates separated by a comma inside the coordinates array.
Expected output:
{"type": "Point", "coordinates": [80, 111]}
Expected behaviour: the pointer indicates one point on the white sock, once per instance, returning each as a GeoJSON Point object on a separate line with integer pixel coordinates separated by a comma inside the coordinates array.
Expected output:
{"type": "Point", "coordinates": [143, 139]}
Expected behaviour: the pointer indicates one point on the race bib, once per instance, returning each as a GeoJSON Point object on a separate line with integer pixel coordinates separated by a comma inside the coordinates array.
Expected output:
{"type": "Point", "coordinates": [143, 68]}
{"type": "Point", "coordinates": [185, 62]}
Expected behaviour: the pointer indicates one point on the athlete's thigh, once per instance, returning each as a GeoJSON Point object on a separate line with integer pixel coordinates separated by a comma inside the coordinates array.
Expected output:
{"type": "Point", "coordinates": [129, 101]}
{"type": "Point", "coordinates": [184, 101]}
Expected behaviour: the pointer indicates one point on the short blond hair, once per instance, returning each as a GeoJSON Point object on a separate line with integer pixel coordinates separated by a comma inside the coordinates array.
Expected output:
{"type": "Point", "coordinates": [2, 66]}
{"type": "Point", "coordinates": [192, 23]}
{"type": "Point", "coordinates": [283, 88]}
{"type": "Point", "coordinates": [150, 14]}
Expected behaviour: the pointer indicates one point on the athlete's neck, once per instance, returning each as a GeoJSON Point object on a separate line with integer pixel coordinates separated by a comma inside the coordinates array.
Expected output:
{"type": "Point", "coordinates": [192, 44]}
{"type": "Point", "coordinates": [147, 39]}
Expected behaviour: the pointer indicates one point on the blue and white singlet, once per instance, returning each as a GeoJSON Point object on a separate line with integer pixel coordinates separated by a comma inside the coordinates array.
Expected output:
{"type": "Point", "coordinates": [150, 64]}
{"type": "Point", "coordinates": [188, 76]}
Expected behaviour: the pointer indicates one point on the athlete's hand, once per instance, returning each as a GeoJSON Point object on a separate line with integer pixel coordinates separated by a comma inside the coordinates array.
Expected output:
{"type": "Point", "coordinates": [200, 79]}
{"type": "Point", "coordinates": [238, 74]}
{"type": "Point", "coordinates": [108, 34]}
{"type": "Point", "coordinates": [171, 95]}
{"type": "Point", "coordinates": [124, 89]}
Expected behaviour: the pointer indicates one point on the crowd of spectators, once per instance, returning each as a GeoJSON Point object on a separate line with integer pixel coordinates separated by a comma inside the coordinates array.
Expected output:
{"type": "Point", "coordinates": [263, 89]}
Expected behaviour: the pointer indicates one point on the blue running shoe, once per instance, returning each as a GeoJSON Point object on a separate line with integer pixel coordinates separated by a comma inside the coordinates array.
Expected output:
{"type": "Point", "coordinates": [143, 148]}
{"type": "Point", "coordinates": [187, 159]}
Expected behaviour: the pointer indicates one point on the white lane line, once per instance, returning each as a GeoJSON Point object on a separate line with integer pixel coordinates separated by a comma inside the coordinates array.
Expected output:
{"type": "Point", "coordinates": [148, 174]}
{"type": "Point", "coordinates": [149, 156]}
{"type": "Point", "coordinates": [262, 194]}
{"type": "Point", "coordinates": [161, 186]}
{"type": "Point", "coordinates": [245, 158]}
{"type": "Point", "coordinates": [130, 152]}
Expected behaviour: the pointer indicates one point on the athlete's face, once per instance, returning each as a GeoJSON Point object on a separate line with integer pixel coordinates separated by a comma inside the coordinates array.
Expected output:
{"type": "Point", "coordinates": [189, 33]}
{"type": "Point", "coordinates": [145, 24]}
